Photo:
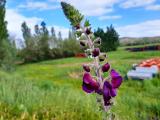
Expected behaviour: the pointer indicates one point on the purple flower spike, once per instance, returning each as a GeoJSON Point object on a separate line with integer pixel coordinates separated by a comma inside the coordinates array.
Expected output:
{"type": "Point", "coordinates": [106, 67]}
{"type": "Point", "coordinates": [96, 52]}
{"type": "Point", "coordinates": [116, 79]}
{"type": "Point", "coordinates": [86, 68]}
{"type": "Point", "coordinates": [89, 84]}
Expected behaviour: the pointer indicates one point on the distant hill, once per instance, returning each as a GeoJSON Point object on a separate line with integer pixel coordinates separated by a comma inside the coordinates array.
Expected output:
{"type": "Point", "coordinates": [129, 41]}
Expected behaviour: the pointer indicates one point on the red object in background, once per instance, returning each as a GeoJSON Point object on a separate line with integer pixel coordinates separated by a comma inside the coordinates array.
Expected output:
{"type": "Point", "coordinates": [150, 62]}
{"type": "Point", "coordinates": [80, 55]}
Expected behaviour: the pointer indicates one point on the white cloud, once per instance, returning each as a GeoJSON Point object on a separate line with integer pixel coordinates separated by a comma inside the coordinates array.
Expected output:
{"type": "Point", "coordinates": [14, 24]}
{"type": "Point", "coordinates": [15, 19]}
{"type": "Point", "coordinates": [136, 3]}
{"type": "Point", "coordinates": [110, 17]}
{"type": "Point", "coordinates": [93, 8]}
{"type": "Point", "coordinates": [144, 29]}
{"type": "Point", "coordinates": [39, 6]}
{"type": "Point", "coordinates": [153, 7]}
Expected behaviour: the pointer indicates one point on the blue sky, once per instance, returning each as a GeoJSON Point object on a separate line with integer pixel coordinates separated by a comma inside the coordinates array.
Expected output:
{"type": "Point", "coordinates": [131, 18]}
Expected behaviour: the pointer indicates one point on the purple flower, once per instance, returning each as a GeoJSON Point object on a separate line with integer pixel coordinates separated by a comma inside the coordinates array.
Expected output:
{"type": "Point", "coordinates": [108, 92]}
{"type": "Point", "coordinates": [96, 52]}
{"type": "Point", "coordinates": [110, 89]}
{"type": "Point", "coordinates": [116, 79]}
{"type": "Point", "coordinates": [88, 31]}
{"type": "Point", "coordinates": [86, 68]}
{"type": "Point", "coordinates": [89, 84]}
{"type": "Point", "coordinates": [106, 67]}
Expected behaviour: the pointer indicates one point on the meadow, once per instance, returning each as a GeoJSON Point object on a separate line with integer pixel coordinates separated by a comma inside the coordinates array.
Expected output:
{"type": "Point", "coordinates": [51, 90]}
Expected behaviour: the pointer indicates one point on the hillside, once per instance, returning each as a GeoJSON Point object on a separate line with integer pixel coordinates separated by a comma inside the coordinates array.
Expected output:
{"type": "Point", "coordinates": [139, 41]}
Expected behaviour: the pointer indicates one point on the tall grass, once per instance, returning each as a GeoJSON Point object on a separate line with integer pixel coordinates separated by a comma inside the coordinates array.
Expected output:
{"type": "Point", "coordinates": [51, 90]}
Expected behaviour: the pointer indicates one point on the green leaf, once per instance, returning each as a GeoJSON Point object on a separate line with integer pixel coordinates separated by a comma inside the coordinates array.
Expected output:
{"type": "Point", "coordinates": [87, 24]}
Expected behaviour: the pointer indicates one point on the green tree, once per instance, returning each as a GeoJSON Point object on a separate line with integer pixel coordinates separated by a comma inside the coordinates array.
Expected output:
{"type": "Point", "coordinates": [53, 38]}
{"type": "Point", "coordinates": [44, 42]}
{"type": "Point", "coordinates": [110, 38]}
{"type": "Point", "coordinates": [29, 53]}
{"type": "Point", "coordinates": [3, 30]}
{"type": "Point", "coordinates": [7, 51]}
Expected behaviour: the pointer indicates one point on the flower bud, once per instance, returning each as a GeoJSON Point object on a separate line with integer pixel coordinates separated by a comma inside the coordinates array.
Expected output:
{"type": "Point", "coordinates": [102, 57]}
{"type": "Point", "coordinates": [88, 31]}
{"type": "Point", "coordinates": [77, 26]}
{"type": "Point", "coordinates": [86, 68]}
{"type": "Point", "coordinates": [97, 41]}
{"type": "Point", "coordinates": [96, 52]}
{"type": "Point", "coordinates": [106, 67]}
{"type": "Point", "coordinates": [83, 43]}
{"type": "Point", "coordinates": [88, 52]}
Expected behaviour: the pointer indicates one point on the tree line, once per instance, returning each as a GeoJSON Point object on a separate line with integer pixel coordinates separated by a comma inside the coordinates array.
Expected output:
{"type": "Point", "coordinates": [44, 44]}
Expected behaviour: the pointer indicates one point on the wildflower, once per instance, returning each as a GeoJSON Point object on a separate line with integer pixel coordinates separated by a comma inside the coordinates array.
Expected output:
{"type": "Point", "coordinates": [88, 31]}
{"type": "Point", "coordinates": [96, 52]}
{"type": "Point", "coordinates": [89, 84]}
{"type": "Point", "coordinates": [86, 68]}
{"type": "Point", "coordinates": [106, 67]}
{"type": "Point", "coordinates": [116, 79]}
{"type": "Point", "coordinates": [110, 89]}
{"type": "Point", "coordinates": [97, 41]}
{"type": "Point", "coordinates": [102, 57]}
{"type": "Point", "coordinates": [83, 43]}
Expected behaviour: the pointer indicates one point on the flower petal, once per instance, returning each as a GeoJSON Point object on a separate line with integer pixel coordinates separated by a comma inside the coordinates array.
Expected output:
{"type": "Point", "coordinates": [89, 84]}
{"type": "Point", "coordinates": [87, 78]}
{"type": "Point", "coordinates": [113, 92]}
{"type": "Point", "coordinates": [87, 88]}
{"type": "Point", "coordinates": [106, 92]}
{"type": "Point", "coordinates": [116, 79]}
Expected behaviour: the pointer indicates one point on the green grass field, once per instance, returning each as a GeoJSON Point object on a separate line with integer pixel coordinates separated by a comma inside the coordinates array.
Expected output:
{"type": "Point", "coordinates": [51, 90]}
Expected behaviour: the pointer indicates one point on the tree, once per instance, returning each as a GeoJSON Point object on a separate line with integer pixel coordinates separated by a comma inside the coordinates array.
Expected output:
{"type": "Point", "coordinates": [29, 53]}
{"type": "Point", "coordinates": [3, 30]}
{"type": "Point", "coordinates": [110, 38]}
{"type": "Point", "coordinates": [53, 38]}
{"type": "Point", "coordinates": [44, 42]}
{"type": "Point", "coordinates": [6, 49]}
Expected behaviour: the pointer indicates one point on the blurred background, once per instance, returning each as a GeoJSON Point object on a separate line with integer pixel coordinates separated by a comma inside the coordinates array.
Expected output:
{"type": "Point", "coordinates": [41, 59]}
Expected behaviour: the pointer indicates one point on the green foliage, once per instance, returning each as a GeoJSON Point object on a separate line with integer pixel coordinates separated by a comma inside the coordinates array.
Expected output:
{"type": "Point", "coordinates": [87, 24]}
{"type": "Point", "coordinates": [7, 51]}
{"type": "Point", "coordinates": [3, 23]}
{"type": "Point", "coordinates": [110, 38]}
{"type": "Point", "coordinates": [43, 45]}
{"type": "Point", "coordinates": [72, 14]}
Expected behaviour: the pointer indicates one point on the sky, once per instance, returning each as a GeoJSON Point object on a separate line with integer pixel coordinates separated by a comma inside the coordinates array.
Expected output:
{"type": "Point", "coordinates": [131, 18]}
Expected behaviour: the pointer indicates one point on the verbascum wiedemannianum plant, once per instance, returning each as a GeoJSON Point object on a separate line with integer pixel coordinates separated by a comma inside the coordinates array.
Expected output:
{"type": "Point", "coordinates": [94, 78]}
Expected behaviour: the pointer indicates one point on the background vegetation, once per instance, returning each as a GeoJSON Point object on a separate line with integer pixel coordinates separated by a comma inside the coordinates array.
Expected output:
{"type": "Point", "coordinates": [52, 90]}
